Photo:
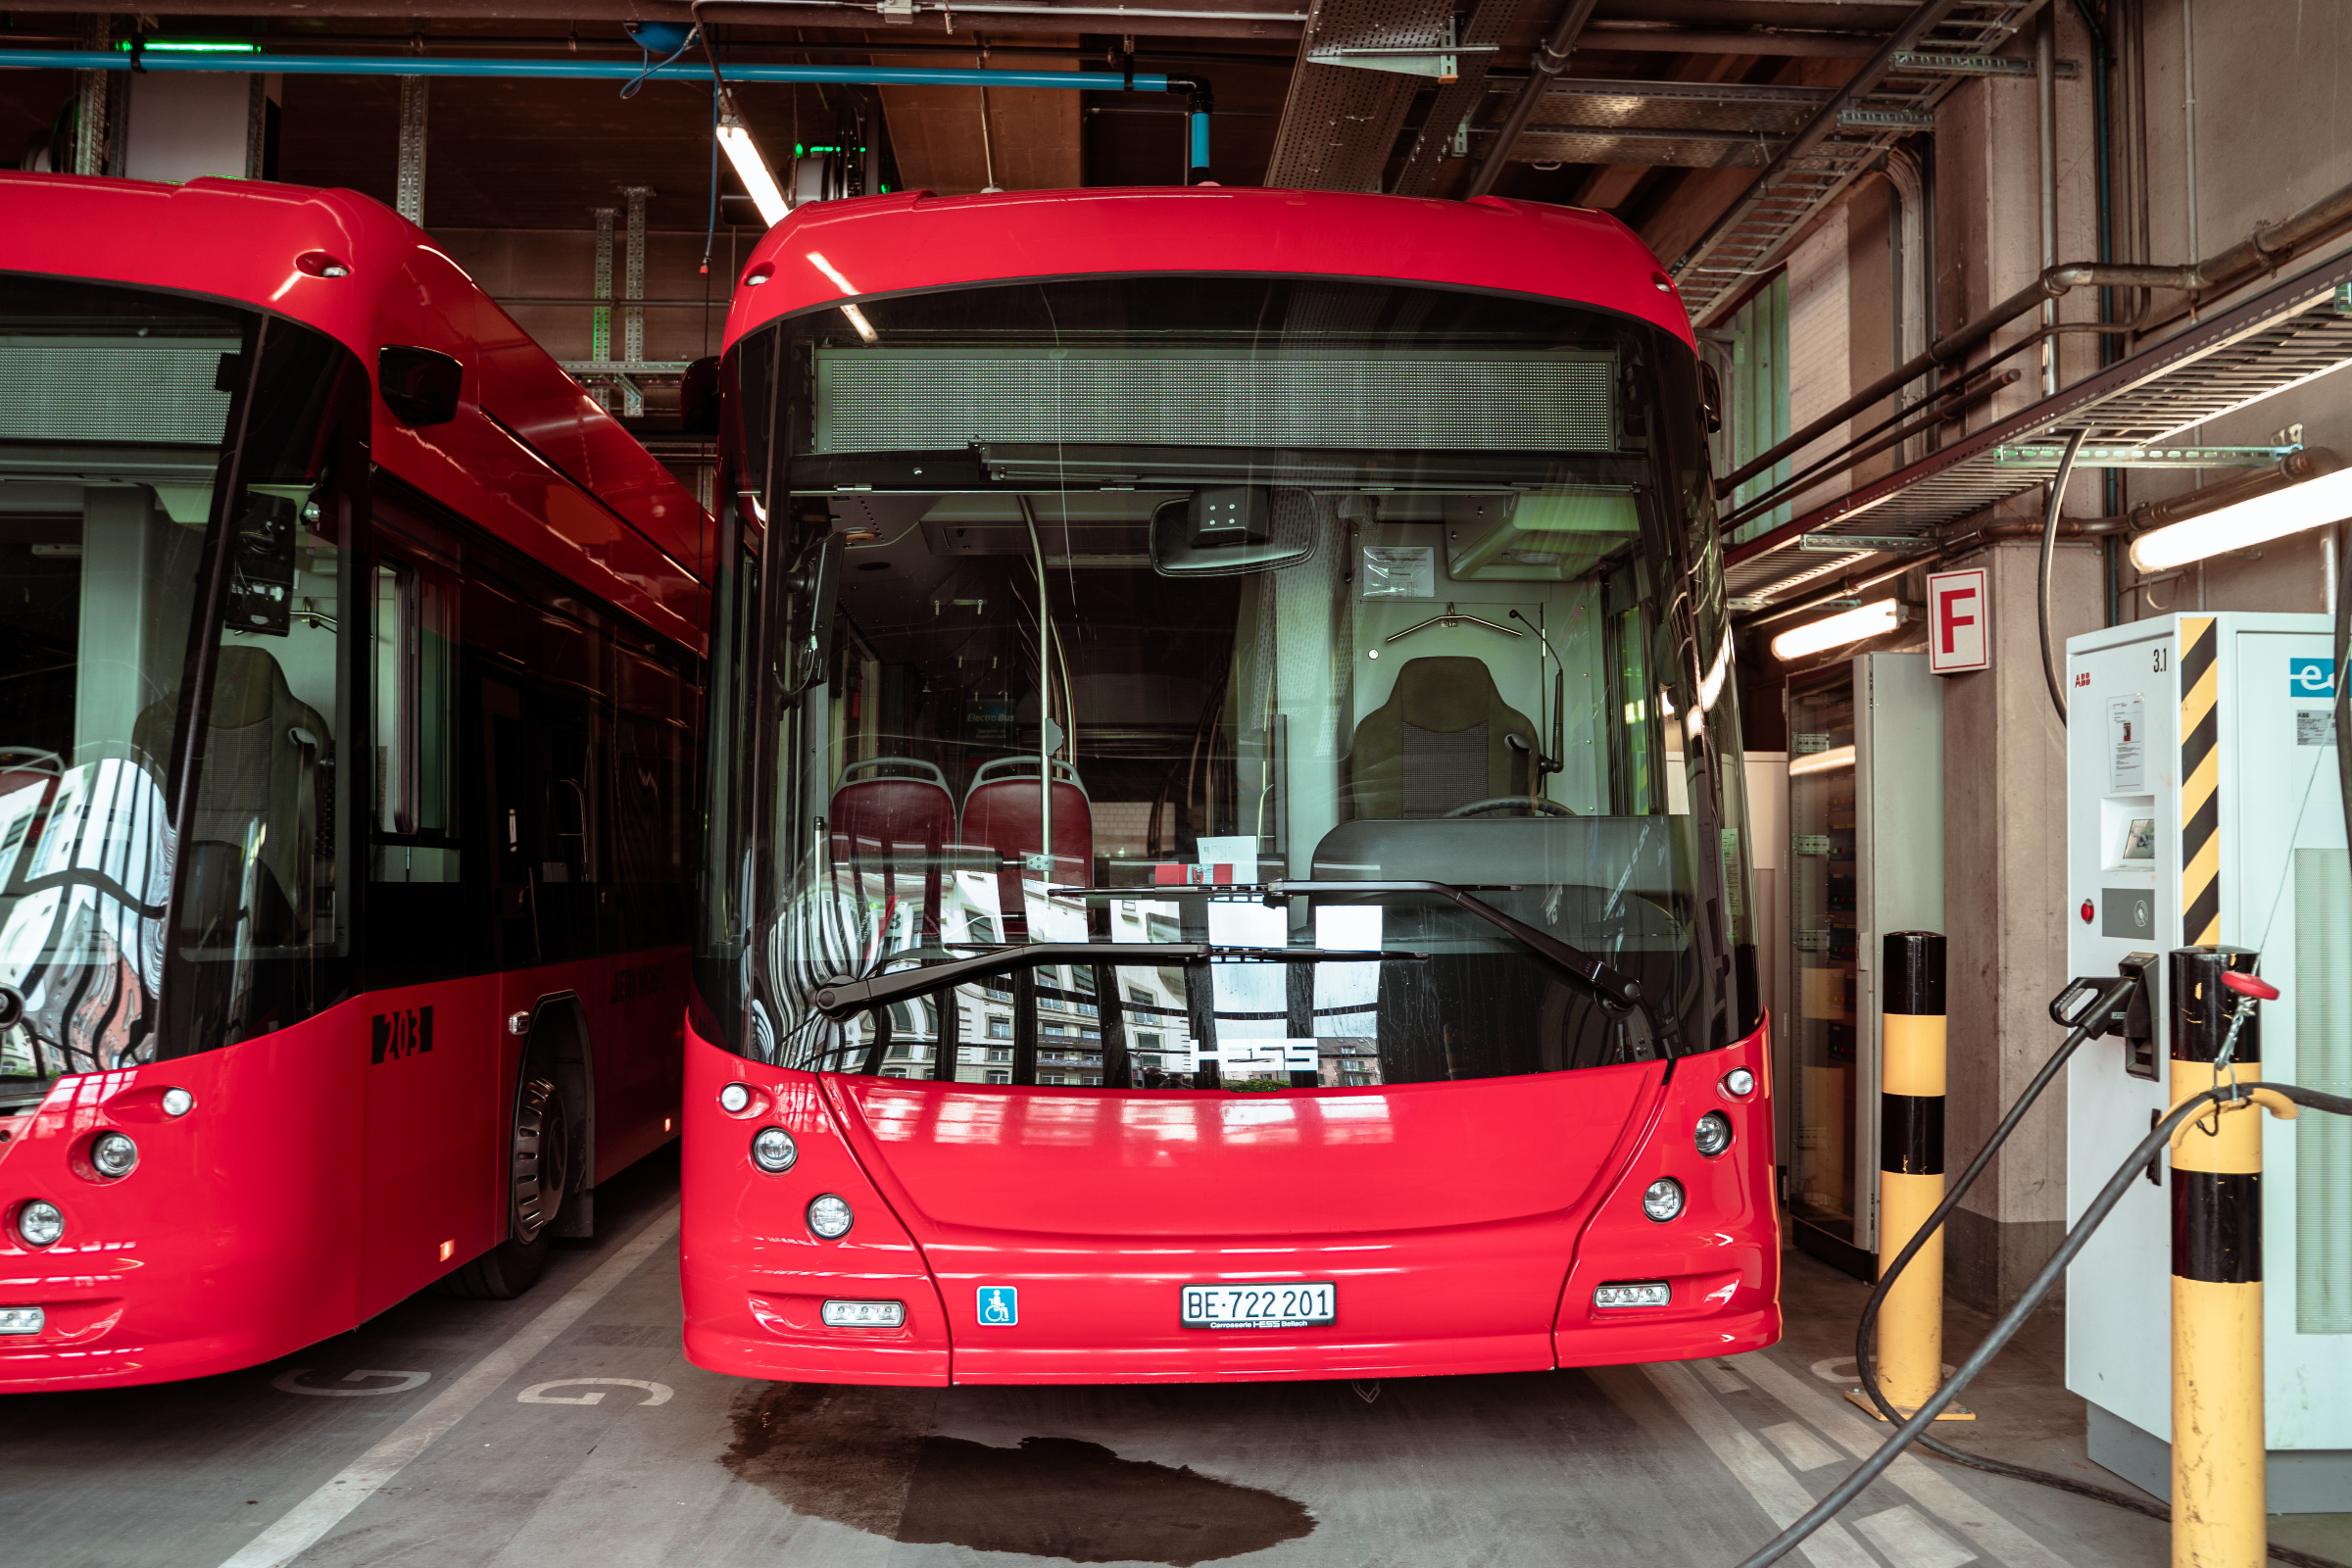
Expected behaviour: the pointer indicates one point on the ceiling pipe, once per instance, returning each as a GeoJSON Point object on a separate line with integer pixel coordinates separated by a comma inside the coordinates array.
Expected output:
{"type": "Point", "coordinates": [152, 61]}
{"type": "Point", "coordinates": [1860, 86]}
{"type": "Point", "coordinates": [2259, 252]}
{"type": "Point", "coordinates": [1644, 37]}
{"type": "Point", "coordinates": [1552, 58]}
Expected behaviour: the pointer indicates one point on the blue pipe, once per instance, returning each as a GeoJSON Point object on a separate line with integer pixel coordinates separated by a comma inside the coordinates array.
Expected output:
{"type": "Point", "coordinates": [592, 70]}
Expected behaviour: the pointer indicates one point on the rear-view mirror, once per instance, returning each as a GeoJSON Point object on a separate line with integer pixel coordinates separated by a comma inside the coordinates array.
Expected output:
{"type": "Point", "coordinates": [698, 397]}
{"type": "Point", "coordinates": [1224, 530]}
{"type": "Point", "coordinates": [418, 385]}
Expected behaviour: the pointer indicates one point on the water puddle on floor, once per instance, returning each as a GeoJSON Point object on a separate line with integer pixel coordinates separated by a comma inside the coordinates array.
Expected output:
{"type": "Point", "coordinates": [862, 1456]}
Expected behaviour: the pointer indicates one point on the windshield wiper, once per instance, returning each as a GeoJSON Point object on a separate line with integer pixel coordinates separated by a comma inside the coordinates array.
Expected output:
{"type": "Point", "coordinates": [838, 999]}
{"type": "Point", "coordinates": [1614, 986]}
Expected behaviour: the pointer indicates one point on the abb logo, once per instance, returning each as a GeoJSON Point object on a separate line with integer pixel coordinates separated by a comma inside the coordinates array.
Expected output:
{"type": "Point", "coordinates": [396, 1035]}
{"type": "Point", "coordinates": [2083, 677]}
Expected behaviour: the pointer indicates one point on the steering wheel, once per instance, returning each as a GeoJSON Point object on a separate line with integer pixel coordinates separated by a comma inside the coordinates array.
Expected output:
{"type": "Point", "coordinates": [1502, 802]}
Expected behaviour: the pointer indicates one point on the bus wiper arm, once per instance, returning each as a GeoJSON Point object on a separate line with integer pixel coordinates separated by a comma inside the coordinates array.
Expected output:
{"type": "Point", "coordinates": [1614, 986]}
{"type": "Point", "coordinates": [840, 998]}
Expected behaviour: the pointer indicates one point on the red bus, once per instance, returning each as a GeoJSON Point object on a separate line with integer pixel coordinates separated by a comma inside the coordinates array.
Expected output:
{"type": "Point", "coordinates": [349, 672]}
{"type": "Point", "coordinates": [1227, 854]}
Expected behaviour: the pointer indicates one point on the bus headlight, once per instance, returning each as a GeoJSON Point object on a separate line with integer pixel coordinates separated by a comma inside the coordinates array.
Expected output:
{"type": "Point", "coordinates": [1739, 1083]}
{"type": "Point", "coordinates": [773, 1151]}
{"type": "Point", "coordinates": [114, 1154]}
{"type": "Point", "coordinates": [1713, 1134]}
{"type": "Point", "coordinates": [1663, 1200]}
{"type": "Point", "coordinates": [735, 1098]}
{"type": "Point", "coordinates": [40, 1223]}
{"type": "Point", "coordinates": [178, 1101]}
{"type": "Point", "coordinates": [829, 1216]}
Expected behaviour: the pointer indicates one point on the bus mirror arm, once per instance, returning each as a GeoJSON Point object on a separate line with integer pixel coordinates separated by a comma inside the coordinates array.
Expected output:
{"type": "Point", "coordinates": [842, 996]}
{"type": "Point", "coordinates": [1617, 990]}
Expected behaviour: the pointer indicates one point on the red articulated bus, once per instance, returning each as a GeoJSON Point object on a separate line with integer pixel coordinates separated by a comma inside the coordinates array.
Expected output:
{"type": "Point", "coordinates": [1227, 855]}
{"type": "Point", "coordinates": [350, 663]}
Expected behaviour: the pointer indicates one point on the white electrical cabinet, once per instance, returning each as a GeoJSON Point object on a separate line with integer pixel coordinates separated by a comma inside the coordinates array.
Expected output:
{"type": "Point", "coordinates": [2257, 861]}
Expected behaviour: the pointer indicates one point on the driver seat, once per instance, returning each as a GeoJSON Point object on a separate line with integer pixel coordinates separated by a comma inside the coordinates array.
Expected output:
{"type": "Point", "coordinates": [1444, 739]}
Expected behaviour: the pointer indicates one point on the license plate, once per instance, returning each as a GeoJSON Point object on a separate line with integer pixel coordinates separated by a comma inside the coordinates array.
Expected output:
{"type": "Point", "coordinates": [1259, 1306]}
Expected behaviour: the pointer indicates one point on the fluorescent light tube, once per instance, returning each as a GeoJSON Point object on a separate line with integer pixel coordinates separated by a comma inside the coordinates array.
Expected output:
{"type": "Point", "coordinates": [1871, 620]}
{"type": "Point", "coordinates": [2269, 515]}
{"type": "Point", "coordinates": [752, 170]}
{"type": "Point", "coordinates": [1828, 762]}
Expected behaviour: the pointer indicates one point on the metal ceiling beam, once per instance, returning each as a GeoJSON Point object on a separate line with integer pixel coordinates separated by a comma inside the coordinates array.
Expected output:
{"type": "Point", "coordinates": [1550, 58]}
{"type": "Point", "coordinates": [1882, 103]}
{"type": "Point", "coordinates": [1445, 130]}
{"type": "Point", "coordinates": [1340, 122]}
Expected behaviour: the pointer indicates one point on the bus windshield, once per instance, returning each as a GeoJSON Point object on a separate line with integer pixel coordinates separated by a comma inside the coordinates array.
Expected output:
{"type": "Point", "coordinates": [111, 448]}
{"type": "Point", "coordinates": [1333, 672]}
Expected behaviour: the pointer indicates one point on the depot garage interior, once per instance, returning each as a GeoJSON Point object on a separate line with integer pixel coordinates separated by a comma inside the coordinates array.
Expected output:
{"type": "Point", "coordinates": [1429, 782]}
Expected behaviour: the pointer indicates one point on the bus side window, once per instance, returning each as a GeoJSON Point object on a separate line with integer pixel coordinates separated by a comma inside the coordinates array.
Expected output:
{"type": "Point", "coordinates": [415, 702]}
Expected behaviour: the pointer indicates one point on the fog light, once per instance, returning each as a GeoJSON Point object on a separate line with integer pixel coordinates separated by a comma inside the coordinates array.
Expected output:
{"type": "Point", "coordinates": [40, 1223]}
{"type": "Point", "coordinates": [1713, 1134]}
{"type": "Point", "coordinates": [1740, 1083]}
{"type": "Point", "coordinates": [22, 1319]}
{"type": "Point", "coordinates": [1650, 1292]}
{"type": "Point", "coordinates": [829, 1216]}
{"type": "Point", "coordinates": [865, 1314]}
{"type": "Point", "coordinates": [114, 1154]}
{"type": "Point", "coordinates": [773, 1151]}
{"type": "Point", "coordinates": [178, 1101]}
{"type": "Point", "coordinates": [735, 1098]}
{"type": "Point", "coordinates": [1664, 1199]}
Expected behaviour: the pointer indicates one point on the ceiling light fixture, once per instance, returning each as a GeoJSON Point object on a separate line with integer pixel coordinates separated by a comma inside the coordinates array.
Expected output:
{"type": "Point", "coordinates": [750, 166]}
{"type": "Point", "coordinates": [2304, 490]}
{"type": "Point", "coordinates": [1850, 626]}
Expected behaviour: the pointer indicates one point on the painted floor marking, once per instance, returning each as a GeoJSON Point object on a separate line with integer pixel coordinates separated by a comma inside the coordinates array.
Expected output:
{"type": "Point", "coordinates": [1800, 1447]}
{"type": "Point", "coordinates": [1720, 1378]}
{"type": "Point", "coordinates": [1902, 1536]}
{"type": "Point", "coordinates": [300, 1527]}
{"type": "Point", "coordinates": [1780, 1496]}
{"type": "Point", "coordinates": [1861, 1437]}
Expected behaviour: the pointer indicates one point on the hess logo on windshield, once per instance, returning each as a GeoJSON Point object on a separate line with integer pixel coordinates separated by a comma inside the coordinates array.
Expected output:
{"type": "Point", "coordinates": [407, 1033]}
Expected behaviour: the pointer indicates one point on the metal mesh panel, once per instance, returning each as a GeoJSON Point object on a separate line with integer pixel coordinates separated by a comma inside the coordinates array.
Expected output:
{"type": "Point", "coordinates": [112, 389]}
{"type": "Point", "coordinates": [884, 400]}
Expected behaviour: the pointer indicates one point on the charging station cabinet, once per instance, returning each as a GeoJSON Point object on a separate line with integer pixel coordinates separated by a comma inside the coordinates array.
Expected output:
{"type": "Point", "coordinates": [2251, 856]}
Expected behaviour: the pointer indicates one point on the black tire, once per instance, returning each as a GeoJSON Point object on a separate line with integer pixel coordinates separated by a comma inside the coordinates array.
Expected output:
{"type": "Point", "coordinates": [539, 1178]}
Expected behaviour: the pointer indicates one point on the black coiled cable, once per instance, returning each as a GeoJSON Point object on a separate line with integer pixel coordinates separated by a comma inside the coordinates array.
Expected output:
{"type": "Point", "coordinates": [1912, 1429]}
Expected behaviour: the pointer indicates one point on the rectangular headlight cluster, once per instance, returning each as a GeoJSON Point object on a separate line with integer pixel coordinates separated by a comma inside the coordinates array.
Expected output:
{"type": "Point", "coordinates": [22, 1319]}
{"type": "Point", "coordinates": [1647, 1293]}
{"type": "Point", "coordinates": [865, 1314]}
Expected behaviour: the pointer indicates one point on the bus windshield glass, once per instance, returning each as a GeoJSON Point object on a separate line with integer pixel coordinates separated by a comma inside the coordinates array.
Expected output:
{"type": "Point", "coordinates": [112, 439]}
{"type": "Point", "coordinates": [1337, 668]}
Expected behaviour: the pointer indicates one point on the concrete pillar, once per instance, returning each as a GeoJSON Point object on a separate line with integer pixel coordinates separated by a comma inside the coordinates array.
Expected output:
{"type": "Point", "coordinates": [2004, 890]}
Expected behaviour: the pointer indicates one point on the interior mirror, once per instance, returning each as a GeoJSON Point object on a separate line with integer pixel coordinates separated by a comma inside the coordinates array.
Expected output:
{"type": "Point", "coordinates": [698, 396]}
{"type": "Point", "coordinates": [418, 385]}
{"type": "Point", "coordinates": [1223, 530]}
{"type": "Point", "coordinates": [1710, 397]}
{"type": "Point", "coordinates": [811, 588]}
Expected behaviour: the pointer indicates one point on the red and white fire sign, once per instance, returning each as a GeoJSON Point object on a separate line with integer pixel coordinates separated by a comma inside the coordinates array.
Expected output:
{"type": "Point", "coordinates": [1958, 609]}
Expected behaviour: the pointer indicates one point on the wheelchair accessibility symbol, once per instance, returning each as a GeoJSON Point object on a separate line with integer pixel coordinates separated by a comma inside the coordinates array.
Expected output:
{"type": "Point", "coordinates": [999, 1305]}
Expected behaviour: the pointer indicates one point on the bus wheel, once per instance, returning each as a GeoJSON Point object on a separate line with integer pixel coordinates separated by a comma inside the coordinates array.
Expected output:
{"type": "Point", "coordinates": [539, 1176]}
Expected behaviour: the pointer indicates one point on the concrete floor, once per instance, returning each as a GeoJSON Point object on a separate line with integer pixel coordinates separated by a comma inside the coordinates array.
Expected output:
{"type": "Point", "coordinates": [431, 1437]}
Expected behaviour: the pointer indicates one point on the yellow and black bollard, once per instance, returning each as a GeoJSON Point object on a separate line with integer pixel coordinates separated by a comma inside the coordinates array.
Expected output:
{"type": "Point", "coordinates": [2219, 1497]}
{"type": "Point", "coordinates": [1908, 1348]}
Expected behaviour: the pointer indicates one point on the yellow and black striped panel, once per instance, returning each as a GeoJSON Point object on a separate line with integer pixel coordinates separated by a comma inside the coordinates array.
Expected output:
{"type": "Point", "coordinates": [2200, 783]}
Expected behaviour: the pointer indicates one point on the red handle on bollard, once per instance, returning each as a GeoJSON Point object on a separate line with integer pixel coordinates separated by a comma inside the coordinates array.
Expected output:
{"type": "Point", "coordinates": [2247, 985]}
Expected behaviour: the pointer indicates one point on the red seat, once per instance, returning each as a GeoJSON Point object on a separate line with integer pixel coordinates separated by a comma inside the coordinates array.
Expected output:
{"type": "Point", "coordinates": [1002, 811]}
{"type": "Point", "coordinates": [890, 812]}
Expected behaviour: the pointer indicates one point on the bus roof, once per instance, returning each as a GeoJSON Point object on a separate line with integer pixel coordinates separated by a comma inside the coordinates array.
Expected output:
{"type": "Point", "coordinates": [825, 250]}
{"type": "Point", "coordinates": [531, 456]}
